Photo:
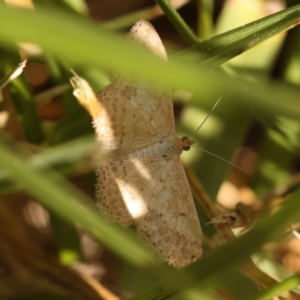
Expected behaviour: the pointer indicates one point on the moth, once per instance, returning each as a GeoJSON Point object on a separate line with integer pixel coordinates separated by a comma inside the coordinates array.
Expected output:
{"type": "Point", "coordinates": [141, 180]}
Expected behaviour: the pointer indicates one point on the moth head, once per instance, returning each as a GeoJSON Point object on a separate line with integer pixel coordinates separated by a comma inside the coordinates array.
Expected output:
{"type": "Point", "coordinates": [186, 143]}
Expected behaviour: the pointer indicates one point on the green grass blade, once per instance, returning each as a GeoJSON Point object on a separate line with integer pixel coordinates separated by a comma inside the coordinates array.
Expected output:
{"type": "Point", "coordinates": [11, 75]}
{"type": "Point", "coordinates": [64, 157]}
{"type": "Point", "coordinates": [278, 289]}
{"type": "Point", "coordinates": [212, 267]}
{"type": "Point", "coordinates": [205, 19]}
{"type": "Point", "coordinates": [74, 206]}
{"type": "Point", "coordinates": [183, 29]}
{"type": "Point", "coordinates": [23, 101]}
{"type": "Point", "coordinates": [226, 46]}
{"type": "Point", "coordinates": [78, 36]}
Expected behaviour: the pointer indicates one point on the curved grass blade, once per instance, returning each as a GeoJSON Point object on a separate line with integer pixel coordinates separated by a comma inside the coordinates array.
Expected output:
{"type": "Point", "coordinates": [73, 205]}
{"type": "Point", "coordinates": [64, 157]}
{"type": "Point", "coordinates": [223, 47]}
{"type": "Point", "coordinates": [213, 266]}
{"type": "Point", "coordinates": [278, 289]}
{"type": "Point", "coordinates": [78, 37]}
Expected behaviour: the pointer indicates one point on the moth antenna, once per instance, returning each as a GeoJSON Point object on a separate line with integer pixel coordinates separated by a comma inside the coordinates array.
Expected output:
{"type": "Point", "coordinates": [221, 158]}
{"type": "Point", "coordinates": [207, 116]}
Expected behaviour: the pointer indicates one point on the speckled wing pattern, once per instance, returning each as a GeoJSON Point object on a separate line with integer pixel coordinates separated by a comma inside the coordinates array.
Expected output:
{"type": "Point", "coordinates": [142, 180]}
{"type": "Point", "coordinates": [129, 119]}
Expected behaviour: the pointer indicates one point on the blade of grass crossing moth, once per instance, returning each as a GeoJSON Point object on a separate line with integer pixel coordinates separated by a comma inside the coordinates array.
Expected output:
{"type": "Point", "coordinates": [73, 205]}
{"type": "Point", "coordinates": [266, 97]}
